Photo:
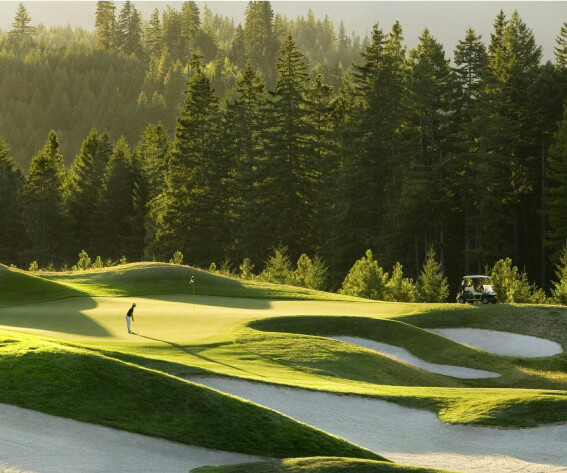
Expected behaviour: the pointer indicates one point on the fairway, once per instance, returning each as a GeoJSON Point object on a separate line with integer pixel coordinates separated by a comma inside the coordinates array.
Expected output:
{"type": "Point", "coordinates": [279, 336]}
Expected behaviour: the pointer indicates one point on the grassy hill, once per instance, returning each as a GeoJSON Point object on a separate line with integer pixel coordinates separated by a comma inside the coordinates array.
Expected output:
{"type": "Point", "coordinates": [64, 350]}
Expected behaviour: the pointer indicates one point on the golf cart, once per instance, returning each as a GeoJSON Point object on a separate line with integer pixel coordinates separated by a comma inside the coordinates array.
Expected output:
{"type": "Point", "coordinates": [476, 288]}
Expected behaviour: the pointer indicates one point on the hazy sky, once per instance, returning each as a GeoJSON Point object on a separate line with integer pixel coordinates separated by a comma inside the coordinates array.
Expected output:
{"type": "Point", "coordinates": [447, 20]}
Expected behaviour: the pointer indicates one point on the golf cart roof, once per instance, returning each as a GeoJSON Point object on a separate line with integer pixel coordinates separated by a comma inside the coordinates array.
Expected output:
{"type": "Point", "coordinates": [477, 276]}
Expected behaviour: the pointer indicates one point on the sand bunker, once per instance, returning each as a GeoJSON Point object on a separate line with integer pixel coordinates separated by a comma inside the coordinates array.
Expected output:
{"type": "Point", "coordinates": [501, 343]}
{"type": "Point", "coordinates": [411, 436]}
{"type": "Point", "coordinates": [402, 354]}
{"type": "Point", "coordinates": [32, 442]}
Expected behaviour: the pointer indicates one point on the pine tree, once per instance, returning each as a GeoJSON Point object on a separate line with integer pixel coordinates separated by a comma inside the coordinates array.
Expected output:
{"type": "Point", "coordinates": [366, 279]}
{"type": "Point", "coordinates": [514, 61]}
{"type": "Point", "coordinates": [561, 48]}
{"type": "Point", "coordinates": [245, 144]}
{"type": "Point", "coordinates": [287, 175]}
{"type": "Point", "coordinates": [153, 35]}
{"type": "Point", "coordinates": [21, 28]}
{"type": "Point", "coordinates": [469, 157]}
{"type": "Point", "coordinates": [194, 201]}
{"type": "Point", "coordinates": [559, 290]}
{"type": "Point", "coordinates": [12, 236]}
{"type": "Point", "coordinates": [370, 161]}
{"type": "Point", "coordinates": [432, 286]}
{"type": "Point", "coordinates": [105, 25]}
{"type": "Point", "coordinates": [128, 31]}
{"type": "Point", "coordinates": [47, 222]}
{"type": "Point", "coordinates": [116, 233]}
{"type": "Point", "coordinates": [260, 41]}
{"type": "Point", "coordinates": [83, 187]}
{"type": "Point", "coordinates": [557, 189]}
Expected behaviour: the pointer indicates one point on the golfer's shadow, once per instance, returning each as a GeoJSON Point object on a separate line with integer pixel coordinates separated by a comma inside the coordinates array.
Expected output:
{"type": "Point", "coordinates": [194, 353]}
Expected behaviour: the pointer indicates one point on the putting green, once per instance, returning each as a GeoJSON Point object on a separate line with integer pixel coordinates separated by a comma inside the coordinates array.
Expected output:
{"type": "Point", "coordinates": [170, 318]}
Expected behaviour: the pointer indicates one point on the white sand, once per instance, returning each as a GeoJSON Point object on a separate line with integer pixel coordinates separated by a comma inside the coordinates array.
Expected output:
{"type": "Point", "coordinates": [501, 343]}
{"type": "Point", "coordinates": [32, 442]}
{"type": "Point", "coordinates": [411, 436]}
{"type": "Point", "coordinates": [402, 354]}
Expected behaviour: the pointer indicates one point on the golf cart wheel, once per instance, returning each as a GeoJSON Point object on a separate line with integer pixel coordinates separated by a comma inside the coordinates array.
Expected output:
{"type": "Point", "coordinates": [485, 300]}
{"type": "Point", "coordinates": [461, 300]}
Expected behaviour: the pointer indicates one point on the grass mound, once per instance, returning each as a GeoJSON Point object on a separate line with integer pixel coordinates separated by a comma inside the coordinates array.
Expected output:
{"type": "Point", "coordinates": [316, 465]}
{"type": "Point", "coordinates": [79, 384]}
{"type": "Point", "coordinates": [20, 287]}
{"type": "Point", "coordinates": [162, 278]}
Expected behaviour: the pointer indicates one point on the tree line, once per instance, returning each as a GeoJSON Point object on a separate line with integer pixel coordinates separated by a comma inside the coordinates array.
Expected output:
{"type": "Point", "coordinates": [406, 154]}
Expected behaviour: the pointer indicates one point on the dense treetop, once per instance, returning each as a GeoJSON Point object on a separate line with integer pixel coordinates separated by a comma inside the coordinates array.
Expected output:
{"type": "Point", "coordinates": [185, 132]}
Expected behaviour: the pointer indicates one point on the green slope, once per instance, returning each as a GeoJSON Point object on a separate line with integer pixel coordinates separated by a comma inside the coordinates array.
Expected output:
{"type": "Point", "coordinates": [79, 384]}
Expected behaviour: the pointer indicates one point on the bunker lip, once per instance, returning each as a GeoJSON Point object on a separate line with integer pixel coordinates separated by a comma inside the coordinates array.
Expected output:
{"type": "Point", "coordinates": [401, 354]}
{"type": "Point", "coordinates": [410, 436]}
{"type": "Point", "coordinates": [501, 343]}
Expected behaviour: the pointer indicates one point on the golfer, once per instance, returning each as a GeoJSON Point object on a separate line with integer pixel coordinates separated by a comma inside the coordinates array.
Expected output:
{"type": "Point", "coordinates": [130, 315]}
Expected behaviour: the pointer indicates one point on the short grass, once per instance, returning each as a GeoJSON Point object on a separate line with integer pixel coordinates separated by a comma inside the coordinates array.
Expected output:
{"type": "Point", "coordinates": [266, 333]}
{"type": "Point", "coordinates": [71, 382]}
{"type": "Point", "coordinates": [316, 465]}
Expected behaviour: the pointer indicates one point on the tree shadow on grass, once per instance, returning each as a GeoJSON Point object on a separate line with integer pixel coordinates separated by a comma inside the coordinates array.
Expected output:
{"type": "Point", "coordinates": [195, 352]}
{"type": "Point", "coordinates": [63, 316]}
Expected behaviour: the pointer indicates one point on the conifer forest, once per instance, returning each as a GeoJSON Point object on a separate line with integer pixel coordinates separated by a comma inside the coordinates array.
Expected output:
{"type": "Point", "coordinates": [185, 133]}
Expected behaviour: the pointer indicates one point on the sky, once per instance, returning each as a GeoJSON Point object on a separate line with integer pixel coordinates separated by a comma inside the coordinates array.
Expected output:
{"type": "Point", "coordinates": [447, 21]}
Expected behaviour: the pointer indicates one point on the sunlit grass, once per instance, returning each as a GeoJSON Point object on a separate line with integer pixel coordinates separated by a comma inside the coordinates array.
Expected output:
{"type": "Point", "coordinates": [279, 335]}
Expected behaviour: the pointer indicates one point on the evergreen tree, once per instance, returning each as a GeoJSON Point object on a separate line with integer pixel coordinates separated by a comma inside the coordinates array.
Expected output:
{"type": "Point", "coordinates": [287, 175]}
{"type": "Point", "coordinates": [105, 25]}
{"type": "Point", "coordinates": [260, 41]}
{"type": "Point", "coordinates": [153, 36]}
{"type": "Point", "coordinates": [432, 286]}
{"type": "Point", "coordinates": [12, 236]}
{"type": "Point", "coordinates": [370, 159]}
{"type": "Point", "coordinates": [426, 205]}
{"type": "Point", "coordinates": [116, 233]}
{"type": "Point", "coordinates": [365, 279]}
{"type": "Point", "coordinates": [83, 187]}
{"type": "Point", "coordinates": [47, 222]}
{"type": "Point", "coordinates": [557, 189]}
{"type": "Point", "coordinates": [561, 48]}
{"type": "Point", "coordinates": [559, 290]}
{"type": "Point", "coordinates": [398, 288]}
{"type": "Point", "coordinates": [21, 28]}
{"type": "Point", "coordinates": [128, 31]}
{"type": "Point", "coordinates": [194, 202]}
{"type": "Point", "coordinates": [514, 60]}
{"type": "Point", "coordinates": [469, 157]}
{"type": "Point", "coordinates": [245, 138]}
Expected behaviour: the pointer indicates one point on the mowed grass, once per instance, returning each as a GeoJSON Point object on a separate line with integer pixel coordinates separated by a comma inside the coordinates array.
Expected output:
{"type": "Point", "coordinates": [280, 335]}
{"type": "Point", "coordinates": [71, 382]}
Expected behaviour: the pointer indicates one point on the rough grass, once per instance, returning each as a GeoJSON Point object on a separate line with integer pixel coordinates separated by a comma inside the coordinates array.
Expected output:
{"type": "Point", "coordinates": [316, 465]}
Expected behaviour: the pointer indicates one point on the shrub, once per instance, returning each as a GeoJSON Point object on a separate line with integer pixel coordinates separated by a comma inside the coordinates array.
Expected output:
{"type": "Point", "coordinates": [310, 273]}
{"type": "Point", "coordinates": [33, 266]}
{"type": "Point", "coordinates": [98, 263]}
{"type": "Point", "coordinates": [278, 267]}
{"type": "Point", "coordinates": [226, 267]}
{"type": "Point", "coordinates": [84, 262]}
{"type": "Point", "coordinates": [559, 290]}
{"type": "Point", "coordinates": [398, 288]}
{"type": "Point", "coordinates": [512, 286]}
{"type": "Point", "coordinates": [432, 286]}
{"type": "Point", "coordinates": [246, 269]}
{"type": "Point", "coordinates": [365, 279]}
{"type": "Point", "coordinates": [177, 258]}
